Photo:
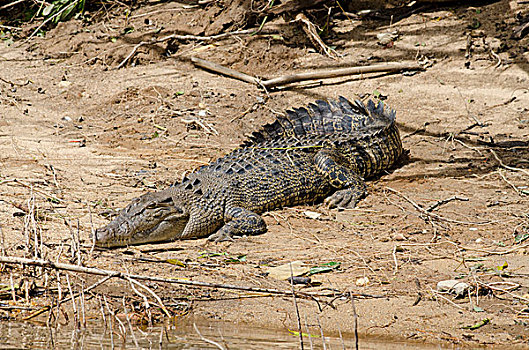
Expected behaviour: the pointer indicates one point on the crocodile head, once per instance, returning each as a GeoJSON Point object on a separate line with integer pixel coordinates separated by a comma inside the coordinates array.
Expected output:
{"type": "Point", "coordinates": [152, 217]}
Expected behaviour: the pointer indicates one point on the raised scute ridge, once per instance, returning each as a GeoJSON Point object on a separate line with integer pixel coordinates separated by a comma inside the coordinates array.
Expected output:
{"type": "Point", "coordinates": [324, 118]}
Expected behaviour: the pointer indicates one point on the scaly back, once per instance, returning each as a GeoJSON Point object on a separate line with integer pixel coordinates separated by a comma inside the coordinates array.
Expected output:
{"type": "Point", "coordinates": [340, 124]}
{"type": "Point", "coordinates": [341, 118]}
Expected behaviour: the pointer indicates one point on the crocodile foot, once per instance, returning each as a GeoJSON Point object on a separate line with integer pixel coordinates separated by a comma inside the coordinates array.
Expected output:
{"type": "Point", "coordinates": [344, 199]}
{"type": "Point", "coordinates": [243, 223]}
{"type": "Point", "coordinates": [221, 236]}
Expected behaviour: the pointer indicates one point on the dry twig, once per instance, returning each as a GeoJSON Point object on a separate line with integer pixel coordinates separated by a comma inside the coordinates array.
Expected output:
{"type": "Point", "coordinates": [123, 275]}
{"type": "Point", "coordinates": [296, 308]}
{"type": "Point", "coordinates": [310, 29]}
{"type": "Point", "coordinates": [460, 247]}
{"type": "Point", "coordinates": [355, 319]}
{"type": "Point", "coordinates": [395, 261]}
{"type": "Point", "coordinates": [308, 333]}
{"type": "Point", "coordinates": [444, 201]}
{"type": "Point", "coordinates": [11, 4]}
{"type": "Point", "coordinates": [506, 166]}
{"type": "Point", "coordinates": [13, 83]}
{"type": "Point", "coordinates": [291, 6]}
{"type": "Point", "coordinates": [209, 341]}
{"type": "Point", "coordinates": [182, 37]}
{"type": "Point", "coordinates": [503, 290]}
{"type": "Point", "coordinates": [126, 312]}
{"type": "Point", "coordinates": [509, 183]}
{"type": "Point", "coordinates": [433, 215]}
{"type": "Point", "coordinates": [323, 342]}
{"type": "Point", "coordinates": [438, 294]}
{"type": "Point", "coordinates": [160, 303]}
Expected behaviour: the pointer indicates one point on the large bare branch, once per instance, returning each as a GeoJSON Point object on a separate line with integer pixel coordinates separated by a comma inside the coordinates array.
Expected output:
{"type": "Point", "coordinates": [314, 75]}
{"type": "Point", "coordinates": [127, 276]}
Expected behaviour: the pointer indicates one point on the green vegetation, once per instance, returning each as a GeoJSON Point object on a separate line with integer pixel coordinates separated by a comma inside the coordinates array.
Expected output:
{"type": "Point", "coordinates": [62, 10]}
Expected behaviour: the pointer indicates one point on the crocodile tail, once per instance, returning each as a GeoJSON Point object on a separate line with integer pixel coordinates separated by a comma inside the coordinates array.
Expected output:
{"type": "Point", "coordinates": [327, 117]}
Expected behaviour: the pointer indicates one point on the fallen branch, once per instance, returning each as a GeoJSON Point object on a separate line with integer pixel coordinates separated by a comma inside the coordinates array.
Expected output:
{"type": "Point", "coordinates": [435, 294]}
{"type": "Point", "coordinates": [127, 276]}
{"type": "Point", "coordinates": [42, 193]}
{"type": "Point", "coordinates": [340, 72]}
{"type": "Point", "coordinates": [293, 78]}
{"type": "Point", "coordinates": [217, 68]}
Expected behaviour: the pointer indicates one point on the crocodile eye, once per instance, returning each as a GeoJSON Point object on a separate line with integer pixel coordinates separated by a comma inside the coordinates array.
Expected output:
{"type": "Point", "coordinates": [166, 202]}
{"type": "Point", "coordinates": [152, 205]}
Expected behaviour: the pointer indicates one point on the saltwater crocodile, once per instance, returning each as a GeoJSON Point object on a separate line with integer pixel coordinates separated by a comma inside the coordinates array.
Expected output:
{"type": "Point", "coordinates": [323, 151]}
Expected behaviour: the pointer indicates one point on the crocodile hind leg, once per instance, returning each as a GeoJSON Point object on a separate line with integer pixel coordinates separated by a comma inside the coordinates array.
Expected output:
{"type": "Point", "coordinates": [351, 187]}
{"type": "Point", "coordinates": [240, 222]}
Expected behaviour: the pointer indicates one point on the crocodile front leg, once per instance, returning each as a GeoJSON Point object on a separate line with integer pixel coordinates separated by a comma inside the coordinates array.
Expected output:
{"type": "Point", "coordinates": [240, 222]}
{"type": "Point", "coordinates": [351, 187]}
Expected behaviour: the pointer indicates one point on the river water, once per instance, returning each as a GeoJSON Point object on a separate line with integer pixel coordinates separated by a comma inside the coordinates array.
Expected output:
{"type": "Point", "coordinates": [179, 335]}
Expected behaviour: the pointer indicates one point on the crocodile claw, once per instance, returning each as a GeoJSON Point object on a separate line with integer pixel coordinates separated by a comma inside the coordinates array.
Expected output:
{"type": "Point", "coordinates": [344, 199]}
{"type": "Point", "coordinates": [221, 236]}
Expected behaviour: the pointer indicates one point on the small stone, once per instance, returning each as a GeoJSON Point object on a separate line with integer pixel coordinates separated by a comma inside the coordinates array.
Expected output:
{"type": "Point", "coordinates": [387, 38]}
{"type": "Point", "coordinates": [299, 280]}
{"type": "Point", "coordinates": [362, 281]}
{"type": "Point", "coordinates": [479, 240]}
{"type": "Point", "coordinates": [312, 214]}
{"type": "Point", "coordinates": [458, 288]}
{"type": "Point", "coordinates": [399, 237]}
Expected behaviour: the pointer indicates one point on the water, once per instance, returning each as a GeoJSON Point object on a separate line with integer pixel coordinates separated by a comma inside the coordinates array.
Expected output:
{"type": "Point", "coordinates": [179, 335]}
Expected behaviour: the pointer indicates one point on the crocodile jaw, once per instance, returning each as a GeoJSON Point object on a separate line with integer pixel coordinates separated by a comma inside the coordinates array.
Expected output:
{"type": "Point", "coordinates": [153, 217]}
